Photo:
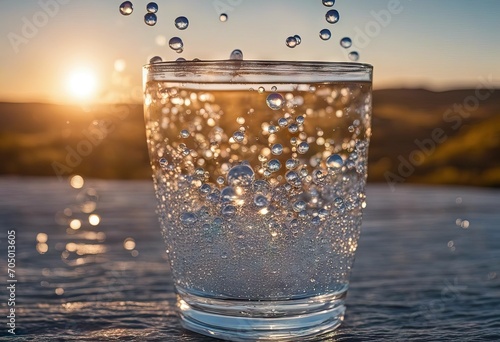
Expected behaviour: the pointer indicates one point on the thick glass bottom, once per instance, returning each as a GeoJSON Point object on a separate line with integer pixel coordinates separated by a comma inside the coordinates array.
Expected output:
{"type": "Point", "coordinates": [242, 320]}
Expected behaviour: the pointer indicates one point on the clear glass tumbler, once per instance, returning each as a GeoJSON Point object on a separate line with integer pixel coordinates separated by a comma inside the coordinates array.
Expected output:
{"type": "Point", "coordinates": [259, 169]}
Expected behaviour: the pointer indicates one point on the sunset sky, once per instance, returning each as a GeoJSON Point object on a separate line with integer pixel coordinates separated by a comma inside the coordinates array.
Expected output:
{"type": "Point", "coordinates": [48, 46]}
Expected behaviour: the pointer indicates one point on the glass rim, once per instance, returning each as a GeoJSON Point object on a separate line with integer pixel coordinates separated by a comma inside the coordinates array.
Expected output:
{"type": "Point", "coordinates": [257, 71]}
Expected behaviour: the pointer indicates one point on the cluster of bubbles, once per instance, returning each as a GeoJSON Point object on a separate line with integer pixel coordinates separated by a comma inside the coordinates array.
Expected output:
{"type": "Point", "coordinates": [332, 16]}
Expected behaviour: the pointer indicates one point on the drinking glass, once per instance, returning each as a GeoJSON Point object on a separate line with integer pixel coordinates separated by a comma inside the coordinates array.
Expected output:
{"type": "Point", "coordinates": [259, 169]}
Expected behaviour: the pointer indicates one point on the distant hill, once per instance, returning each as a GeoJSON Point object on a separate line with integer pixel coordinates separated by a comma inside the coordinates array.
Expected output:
{"type": "Point", "coordinates": [419, 136]}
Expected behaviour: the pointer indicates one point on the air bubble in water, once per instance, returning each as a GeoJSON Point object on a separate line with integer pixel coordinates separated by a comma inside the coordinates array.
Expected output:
{"type": "Point", "coordinates": [319, 177]}
{"type": "Point", "coordinates": [346, 42]}
{"type": "Point", "coordinates": [277, 149]}
{"type": "Point", "coordinates": [332, 16]}
{"type": "Point", "coordinates": [240, 175]}
{"type": "Point", "coordinates": [238, 136]}
{"type": "Point", "coordinates": [176, 44]}
{"type": "Point", "coordinates": [282, 122]}
{"type": "Point", "coordinates": [293, 128]}
{"type": "Point", "coordinates": [275, 101]}
{"type": "Point", "coordinates": [260, 200]}
{"type": "Point", "coordinates": [150, 19]}
{"type": "Point", "coordinates": [274, 165]}
{"type": "Point", "coordinates": [152, 7]}
{"type": "Point", "coordinates": [328, 3]}
{"type": "Point", "coordinates": [188, 219]}
{"type": "Point", "coordinates": [155, 59]}
{"type": "Point", "coordinates": [299, 206]}
{"type": "Point", "coordinates": [236, 54]}
{"type": "Point", "coordinates": [291, 42]}
{"type": "Point", "coordinates": [292, 164]}
{"type": "Point", "coordinates": [223, 17]}
{"type": "Point", "coordinates": [229, 210]}
{"type": "Point", "coordinates": [303, 147]}
{"type": "Point", "coordinates": [126, 8]}
{"type": "Point", "coordinates": [325, 34]}
{"type": "Point", "coordinates": [181, 23]}
{"type": "Point", "coordinates": [228, 195]}
{"type": "Point", "coordinates": [334, 162]}
{"type": "Point", "coordinates": [354, 56]}
{"type": "Point", "coordinates": [293, 178]}
{"type": "Point", "coordinates": [185, 133]}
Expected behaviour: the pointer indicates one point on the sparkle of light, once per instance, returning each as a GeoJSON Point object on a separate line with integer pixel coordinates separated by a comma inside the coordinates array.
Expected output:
{"type": "Point", "coordinates": [82, 84]}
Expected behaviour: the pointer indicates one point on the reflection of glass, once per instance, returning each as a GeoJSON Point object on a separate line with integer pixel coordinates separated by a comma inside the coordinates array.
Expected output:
{"type": "Point", "coordinates": [259, 170]}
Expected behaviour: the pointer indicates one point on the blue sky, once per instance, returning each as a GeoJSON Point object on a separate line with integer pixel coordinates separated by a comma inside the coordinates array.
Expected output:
{"type": "Point", "coordinates": [423, 43]}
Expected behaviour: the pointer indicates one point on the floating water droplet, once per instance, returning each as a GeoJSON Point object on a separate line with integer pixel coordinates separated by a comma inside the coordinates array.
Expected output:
{"type": "Point", "coordinates": [346, 42]}
{"type": "Point", "coordinates": [293, 128]}
{"type": "Point", "coordinates": [223, 17]}
{"type": "Point", "coordinates": [150, 19]}
{"type": "Point", "coordinates": [176, 44]}
{"type": "Point", "coordinates": [229, 210]}
{"type": "Point", "coordinates": [152, 7]}
{"type": "Point", "coordinates": [274, 165]}
{"type": "Point", "coordinates": [275, 101]}
{"type": "Point", "coordinates": [238, 136]}
{"type": "Point", "coordinates": [298, 39]}
{"type": "Point", "coordinates": [277, 149]}
{"type": "Point", "coordinates": [325, 34]}
{"type": "Point", "coordinates": [237, 55]}
{"type": "Point", "coordinates": [155, 59]}
{"type": "Point", "coordinates": [220, 180]}
{"type": "Point", "coordinates": [354, 56]}
{"type": "Point", "coordinates": [291, 42]}
{"type": "Point", "coordinates": [303, 147]}
{"type": "Point", "coordinates": [126, 8]}
{"type": "Point", "coordinates": [188, 219]}
{"type": "Point", "coordinates": [300, 119]}
{"type": "Point", "coordinates": [328, 3]}
{"type": "Point", "coordinates": [334, 162]}
{"type": "Point", "coordinates": [240, 175]}
{"type": "Point", "coordinates": [185, 133]}
{"type": "Point", "coordinates": [260, 200]}
{"type": "Point", "coordinates": [181, 23]}
{"type": "Point", "coordinates": [332, 16]}
{"type": "Point", "coordinates": [163, 162]}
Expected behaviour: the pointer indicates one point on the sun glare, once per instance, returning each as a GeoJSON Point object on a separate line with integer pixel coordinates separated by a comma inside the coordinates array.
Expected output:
{"type": "Point", "coordinates": [82, 84]}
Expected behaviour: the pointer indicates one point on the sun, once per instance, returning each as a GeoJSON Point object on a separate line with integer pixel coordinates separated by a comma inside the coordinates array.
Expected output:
{"type": "Point", "coordinates": [82, 84]}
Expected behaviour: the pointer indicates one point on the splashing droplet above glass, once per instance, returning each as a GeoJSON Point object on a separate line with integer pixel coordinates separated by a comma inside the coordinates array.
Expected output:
{"type": "Point", "coordinates": [291, 42]}
{"type": "Point", "coordinates": [334, 162]}
{"type": "Point", "coordinates": [152, 7]}
{"type": "Point", "coordinates": [126, 8]}
{"type": "Point", "coordinates": [238, 136]}
{"type": "Point", "coordinates": [354, 56]}
{"type": "Point", "coordinates": [236, 55]}
{"type": "Point", "coordinates": [150, 19]}
{"type": "Point", "coordinates": [155, 59]}
{"type": "Point", "coordinates": [176, 44]}
{"type": "Point", "coordinates": [328, 3]}
{"type": "Point", "coordinates": [332, 16]}
{"type": "Point", "coordinates": [325, 34]}
{"type": "Point", "coordinates": [298, 39]}
{"type": "Point", "coordinates": [181, 23]}
{"type": "Point", "coordinates": [275, 101]}
{"type": "Point", "coordinates": [223, 17]}
{"type": "Point", "coordinates": [346, 42]}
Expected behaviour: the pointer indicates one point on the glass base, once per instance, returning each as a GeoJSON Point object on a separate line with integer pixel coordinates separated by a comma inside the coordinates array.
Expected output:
{"type": "Point", "coordinates": [241, 320]}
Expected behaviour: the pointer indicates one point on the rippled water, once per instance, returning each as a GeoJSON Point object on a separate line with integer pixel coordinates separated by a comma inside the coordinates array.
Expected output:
{"type": "Point", "coordinates": [418, 275]}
